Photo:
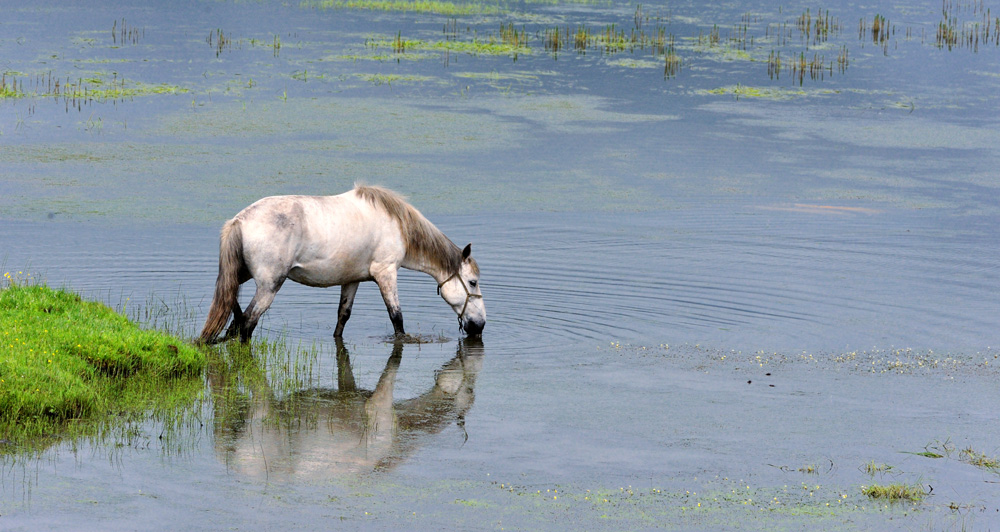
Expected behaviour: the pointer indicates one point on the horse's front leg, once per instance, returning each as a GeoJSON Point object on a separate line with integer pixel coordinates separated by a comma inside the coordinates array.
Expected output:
{"type": "Point", "coordinates": [386, 280]}
{"type": "Point", "coordinates": [347, 293]}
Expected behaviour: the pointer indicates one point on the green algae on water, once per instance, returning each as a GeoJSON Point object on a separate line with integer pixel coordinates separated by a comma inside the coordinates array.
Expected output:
{"type": "Point", "coordinates": [389, 79]}
{"type": "Point", "coordinates": [768, 93]}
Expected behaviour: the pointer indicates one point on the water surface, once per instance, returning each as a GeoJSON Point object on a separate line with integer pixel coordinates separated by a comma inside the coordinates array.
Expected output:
{"type": "Point", "coordinates": [709, 306]}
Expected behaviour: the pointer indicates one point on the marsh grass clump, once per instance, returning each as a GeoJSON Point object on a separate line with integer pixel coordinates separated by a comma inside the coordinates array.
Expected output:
{"type": "Point", "coordinates": [581, 38]}
{"type": "Point", "coordinates": [614, 39]}
{"type": "Point", "coordinates": [64, 360]}
{"type": "Point", "coordinates": [274, 44]}
{"type": "Point", "coordinates": [980, 460]}
{"type": "Point", "coordinates": [895, 492]}
{"type": "Point", "coordinates": [512, 36]}
{"type": "Point", "coordinates": [413, 6]}
{"type": "Point", "coordinates": [774, 64]}
{"type": "Point", "coordinates": [220, 42]}
{"type": "Point", "coordinates": [879, 29]}
{"type": "Point", "coordinates": [843, 59]}
{"type": "Point", "coordinates": [122, 33]}
{"type": "Point", "coordinates": [817, 29]}
{"type": "Point", "coordinates": [672, 61]}
{"type": "Point", "coordinates": [97, 87]}
{"type": "Point", "coordinates": [553, 39]}
{"type": "Point", "coordinates": [873, 468]}
{"type": "Point", "coordinates": [10, 89]}
{"type": "Point", "coordinates": [947, 34]}
{"type": "Point", "coordinates": [953, 32]}
{"type": "Point", "coordinates": [489, 46]}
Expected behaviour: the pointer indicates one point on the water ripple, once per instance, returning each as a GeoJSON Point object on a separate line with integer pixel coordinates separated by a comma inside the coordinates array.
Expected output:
{"type": "Point", "coordinates": [742, 278]}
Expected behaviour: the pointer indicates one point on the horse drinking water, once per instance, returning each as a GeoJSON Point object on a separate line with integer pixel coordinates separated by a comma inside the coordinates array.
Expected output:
{"type": "Point", "coordinates": [365, 234]}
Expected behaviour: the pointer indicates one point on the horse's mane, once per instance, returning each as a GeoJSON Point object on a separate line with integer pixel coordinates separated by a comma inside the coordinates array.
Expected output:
{"type": "Point", "coordinates": [422, 239]}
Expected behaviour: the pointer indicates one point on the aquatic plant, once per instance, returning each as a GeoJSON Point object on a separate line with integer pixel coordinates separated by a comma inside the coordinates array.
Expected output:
{"type": "Point", "coordinates": [876, 468]}
{"type": "Point", "coordinates": [389, 79]}
{"type": "Point", "coordinates": [611, 39]}
{"type": "Point", "coordinates": [415, 6]}
{"type": "Point", "coordinates": [774, 64]}
{"type": "Point", "coordinates": [511, 36]}
{"type": "Point", "coordinates": [11, 89]}
{"type": "Point", "coordinates": [82, 90]}
{"type": "Point", "coordinates": [895, 492]}
{"type": "Point", "coordinates": [219, 41]}
{"type": "Point", "coordinates": [552, 40]}
{"type": "Point", "coordinates": [980, 460]}
{"type": "Point", "coordinates": [581, 37]}
{"type": "Point", "coordinates": [124, 34]}
{"type": "Point", "coordinates": [672, 61]}
{"type": "Point", "coordinates": [274, 44]}
{"type": "Point", "coordinates": [476, 46]}
{"type": "Point", "coordinates": [744, 91]}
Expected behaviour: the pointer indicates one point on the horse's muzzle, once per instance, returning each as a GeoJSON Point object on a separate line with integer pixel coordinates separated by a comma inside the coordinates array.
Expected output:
{"type": "Point", "coordinates": [473, 328]}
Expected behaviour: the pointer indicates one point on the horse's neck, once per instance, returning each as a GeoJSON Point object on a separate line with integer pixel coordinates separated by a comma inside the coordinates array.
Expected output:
{"type": "Point", "coordinates": [431, 268]}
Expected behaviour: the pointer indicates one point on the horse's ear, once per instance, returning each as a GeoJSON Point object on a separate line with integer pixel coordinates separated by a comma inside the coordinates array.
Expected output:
{"type": "Point", "coordinates": [467, 252]}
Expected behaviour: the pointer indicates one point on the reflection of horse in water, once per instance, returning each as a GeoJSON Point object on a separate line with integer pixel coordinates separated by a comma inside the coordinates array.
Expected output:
{"type": "Point", "coordinates": [322, 432]}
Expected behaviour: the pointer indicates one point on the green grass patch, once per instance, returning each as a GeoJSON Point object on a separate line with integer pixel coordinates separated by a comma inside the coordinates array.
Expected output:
{"type": "Point", "coordinates": [451, 9]}
{"type": "Point", "coordinates": [101, 89]}
{"type": "Point", "coordinates": [96, 87]}
{"type": "Point", "coordinates": [895, 492]}
{"type": "Point", "coordinates": [65, 360]}
{"type": "Point", "coordinates": [477, 46]}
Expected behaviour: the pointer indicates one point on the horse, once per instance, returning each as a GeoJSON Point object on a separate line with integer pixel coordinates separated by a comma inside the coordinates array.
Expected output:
{"type": "Point", "coordinates": [364, 234]}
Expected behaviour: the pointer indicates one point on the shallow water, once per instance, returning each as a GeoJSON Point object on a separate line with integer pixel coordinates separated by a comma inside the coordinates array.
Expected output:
{"type": "Point", "coordinates": [704, 312]}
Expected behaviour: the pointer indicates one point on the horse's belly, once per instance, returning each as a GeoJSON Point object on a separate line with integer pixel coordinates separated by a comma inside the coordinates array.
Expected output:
{"type": "Point", "coordinates": [327, 275]}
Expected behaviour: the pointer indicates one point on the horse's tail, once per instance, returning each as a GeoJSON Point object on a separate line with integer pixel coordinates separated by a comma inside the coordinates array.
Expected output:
{"type": "Point", "coordinates": [227, 285]}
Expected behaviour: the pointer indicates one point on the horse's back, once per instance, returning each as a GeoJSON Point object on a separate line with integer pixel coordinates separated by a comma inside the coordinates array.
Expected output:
{"type": "Point", "coordinates": [315, 240]}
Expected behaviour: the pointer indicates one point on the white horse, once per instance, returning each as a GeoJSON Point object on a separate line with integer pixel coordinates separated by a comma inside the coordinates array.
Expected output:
{"type": "Point", "coordinates": [365, 234]}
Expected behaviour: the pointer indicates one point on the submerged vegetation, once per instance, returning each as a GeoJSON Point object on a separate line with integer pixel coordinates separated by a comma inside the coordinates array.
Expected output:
{"type": "Point", "coordinates": [65, 361]}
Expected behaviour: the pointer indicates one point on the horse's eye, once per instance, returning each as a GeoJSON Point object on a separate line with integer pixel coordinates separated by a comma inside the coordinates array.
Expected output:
{"type": "Point", "coordinates": [473, 283]}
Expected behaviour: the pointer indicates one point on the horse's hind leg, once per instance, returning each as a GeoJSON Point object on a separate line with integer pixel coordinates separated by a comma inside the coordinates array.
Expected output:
{"type": "Point", "coordinates": [238, 320]}
{"type": "Point", "coordinates": [262, 299]}
{"type": "Point", "coordinates": [347, 293]}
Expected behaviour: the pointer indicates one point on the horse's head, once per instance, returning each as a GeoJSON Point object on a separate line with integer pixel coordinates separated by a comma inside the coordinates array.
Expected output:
{"type": "Point", "coordinates": [461, 291]}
